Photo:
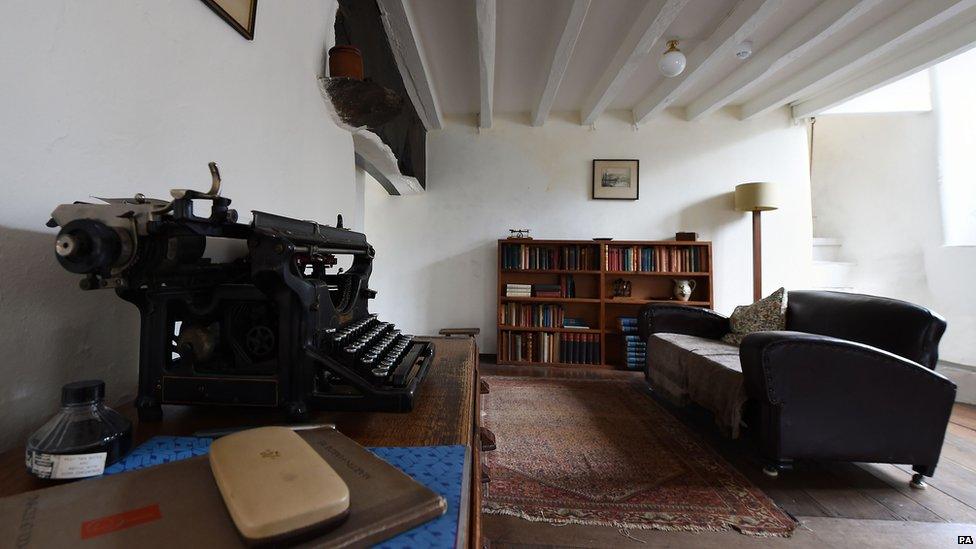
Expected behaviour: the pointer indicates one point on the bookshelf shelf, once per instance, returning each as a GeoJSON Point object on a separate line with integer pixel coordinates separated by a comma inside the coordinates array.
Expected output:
{"type": "Point", "coordinates": [553, 299]}
{"type": "Point", "coordinates": [592, 260]}
{"type": "Point", "coordinates": [548, 271]}
{"type": "Point", "coordinates": [560, 364]}
{"type": "Point", "coordinates": [655, 273]}
{"type": "Point", "coordinates": [637, 301]}
{"type": "Point", "coordinates": [547, 329]}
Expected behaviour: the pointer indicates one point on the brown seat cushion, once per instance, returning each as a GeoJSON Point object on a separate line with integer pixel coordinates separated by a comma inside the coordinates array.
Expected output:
{"type": "Point", "coordinates": [705, 371]}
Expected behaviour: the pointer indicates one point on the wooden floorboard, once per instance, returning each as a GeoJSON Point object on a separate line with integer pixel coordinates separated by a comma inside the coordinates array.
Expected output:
{"type": "Point", "coordinates": [945, 506]}
{"type": "Point", "coordinates": [837, 504]}
{"type": "Point", "coordinates": [842, 498]}
{"type": "Point", "coordinates": [964, 415]}
{"type": "Point", "coordinates": [902, 506]}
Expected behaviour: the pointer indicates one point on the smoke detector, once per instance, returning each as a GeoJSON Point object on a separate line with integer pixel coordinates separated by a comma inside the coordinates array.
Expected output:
{"type": "Point", "coordinates": [744, 50]}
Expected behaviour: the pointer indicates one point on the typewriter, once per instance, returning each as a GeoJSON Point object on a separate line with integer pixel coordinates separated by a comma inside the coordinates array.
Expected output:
{"type": "Point", "coordinates": [277, 323]}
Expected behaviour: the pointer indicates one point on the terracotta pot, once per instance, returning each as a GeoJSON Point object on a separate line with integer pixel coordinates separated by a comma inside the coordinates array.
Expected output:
{"type": "Point", "coordinates": [346, 61]}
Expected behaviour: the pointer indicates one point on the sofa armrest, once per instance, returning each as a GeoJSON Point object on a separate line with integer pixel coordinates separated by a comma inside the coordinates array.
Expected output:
{"type": "Point", "coordinates": [779, 366]}
{"type": "Point", "coordinates": [681, 319]}
{"type": "Point", "coordinates": [833, 398]}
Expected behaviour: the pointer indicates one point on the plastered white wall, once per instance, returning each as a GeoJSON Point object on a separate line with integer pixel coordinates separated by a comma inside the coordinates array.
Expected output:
{"type": "Point", "coordinates": [876, 187]}
{"type": "Point", "coordinates": [110, 98]}
{"type": "Point", "coordinates": [436, 252]}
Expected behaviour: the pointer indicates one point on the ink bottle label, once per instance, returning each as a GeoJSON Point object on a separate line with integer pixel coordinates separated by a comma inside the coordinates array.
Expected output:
{"type": "Point", "coordinates": [65, 466]}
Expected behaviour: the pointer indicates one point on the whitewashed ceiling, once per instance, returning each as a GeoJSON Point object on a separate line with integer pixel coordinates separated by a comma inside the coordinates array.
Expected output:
{"type": "Point", "coordinates": [806, 53]}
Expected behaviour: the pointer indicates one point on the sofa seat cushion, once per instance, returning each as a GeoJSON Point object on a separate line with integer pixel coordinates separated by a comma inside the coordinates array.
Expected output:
{"type": "Point", "coordinates": [685, 368]}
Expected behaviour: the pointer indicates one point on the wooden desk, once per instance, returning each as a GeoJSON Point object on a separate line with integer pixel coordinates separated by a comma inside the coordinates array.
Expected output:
{"type": "Point", "coordinates": [444, 413]}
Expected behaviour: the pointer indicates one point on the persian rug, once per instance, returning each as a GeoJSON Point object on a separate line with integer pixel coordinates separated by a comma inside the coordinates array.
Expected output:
{"type": "Point", "coordinates": [602, 452]}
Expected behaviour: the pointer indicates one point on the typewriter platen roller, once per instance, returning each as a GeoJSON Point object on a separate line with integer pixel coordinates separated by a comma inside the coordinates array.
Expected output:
{"type": "Point", "coordinates": [278, 325]}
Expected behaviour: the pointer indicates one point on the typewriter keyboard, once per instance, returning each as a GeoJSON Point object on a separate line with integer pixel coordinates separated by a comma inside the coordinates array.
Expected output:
{"type": "Point", "coordinates": [376, 350]}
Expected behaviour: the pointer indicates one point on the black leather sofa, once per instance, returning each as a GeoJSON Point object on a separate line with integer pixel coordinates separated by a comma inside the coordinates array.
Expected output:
{"type": "Point", "coordinates": [852, 378]}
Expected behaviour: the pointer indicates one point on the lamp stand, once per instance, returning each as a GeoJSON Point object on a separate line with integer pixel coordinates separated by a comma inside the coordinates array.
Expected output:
{"type": "Point", "coordinates": [756, 256]}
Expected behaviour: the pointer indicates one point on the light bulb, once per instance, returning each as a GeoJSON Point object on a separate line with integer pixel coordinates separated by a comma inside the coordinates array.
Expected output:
{"type": "Point", "coordinates": [672, 63]}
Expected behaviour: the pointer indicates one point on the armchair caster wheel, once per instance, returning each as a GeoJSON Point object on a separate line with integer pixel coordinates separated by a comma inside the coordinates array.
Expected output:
{"type": "Point", "coordinates": [918, 482]}
{"type": "Point", "coordinates": [771, 472]}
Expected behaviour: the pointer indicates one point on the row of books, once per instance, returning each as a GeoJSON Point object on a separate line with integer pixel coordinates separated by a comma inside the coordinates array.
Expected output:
{"type": "Point", "coordinates": [520, 314]}
{"type": "Point", "coordinates": [627, 324]}
{"type": "Point", "coordinates": [570, 258]}
{"type": "Point", "coordinates": [661, 259]}
{"type": "Point", "coordinates": [546, 347]}
{"type": "Point", "coordinates": [565, 288]}
{"type": "Point", "coordinates": [547, 290]}
{"type": "Point", "coordinates": [635, 352]}
{"type": "Point", "coordinates": [518, 290]}
{"type": "Point", "coordinates": [575, 323]}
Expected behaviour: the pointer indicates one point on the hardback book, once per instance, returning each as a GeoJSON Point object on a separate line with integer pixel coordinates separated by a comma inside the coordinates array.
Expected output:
{"type": "Point", "coordinates": [179, 502]}
{"type": "Point", "coordinates": [627, 325]}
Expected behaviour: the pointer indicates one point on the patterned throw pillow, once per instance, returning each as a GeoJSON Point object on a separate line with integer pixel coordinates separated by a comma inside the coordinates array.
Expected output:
{"type": "Point", "coordinates": [767, 314]}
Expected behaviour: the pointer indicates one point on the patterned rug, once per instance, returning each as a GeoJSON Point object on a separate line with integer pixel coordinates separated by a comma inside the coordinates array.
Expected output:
{"type": "Point", "coordinates": [601, 452]}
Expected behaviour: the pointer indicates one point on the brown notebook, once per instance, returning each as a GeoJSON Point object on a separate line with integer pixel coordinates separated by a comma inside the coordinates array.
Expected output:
{"type": "Point", "coordinates": [178, 505]}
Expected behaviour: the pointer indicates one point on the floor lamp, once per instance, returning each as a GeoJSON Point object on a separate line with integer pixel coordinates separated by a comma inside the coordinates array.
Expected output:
{"type": "Point", "coordinates": [756, 198]}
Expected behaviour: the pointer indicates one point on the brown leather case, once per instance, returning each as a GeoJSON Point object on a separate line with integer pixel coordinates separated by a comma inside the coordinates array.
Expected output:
{"type": "Point", "coordinates": [178, 505]}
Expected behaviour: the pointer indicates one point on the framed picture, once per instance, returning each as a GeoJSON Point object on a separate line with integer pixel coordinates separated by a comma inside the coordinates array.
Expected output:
{"type": "Point", "coordinates": [616, 179]}
{"type": "Point", "coordinates": [239, 14]}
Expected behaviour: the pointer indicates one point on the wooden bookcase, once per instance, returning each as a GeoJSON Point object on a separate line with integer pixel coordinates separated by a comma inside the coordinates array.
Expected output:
{"type": "Point", "coordinates": [595, 302]}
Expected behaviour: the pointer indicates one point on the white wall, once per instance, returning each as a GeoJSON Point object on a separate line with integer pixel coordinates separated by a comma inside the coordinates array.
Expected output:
{"type": "Point", "coordinates": [110, 98]}
{"type": "Point", "coordinates": [436, 252]}
{"type": "Point", "coordinates": [954, 81]}
{"type": "Point", "coordinates": [876, 186]}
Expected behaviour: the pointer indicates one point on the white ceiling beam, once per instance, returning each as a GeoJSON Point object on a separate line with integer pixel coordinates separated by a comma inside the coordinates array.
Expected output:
{"type": "Point", "coordinates": [411, 61]}
{"type": "Point", "coordinates": [650, 24]}
{"type": "Point", "coordinates": [486, 14]}
{"type": "Point", "coordinates": [946, 44]}
{"type": "Point", "coordinates": [747, 16]}
{"type": "Point", "coordinates": [560, 60]}
{"type": "Point", "coordinates": [812, 29]}
{"type": "Point", "coordinates": [907, 25]}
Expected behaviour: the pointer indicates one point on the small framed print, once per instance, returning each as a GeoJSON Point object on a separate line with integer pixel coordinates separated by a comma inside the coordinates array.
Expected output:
{"type": "Point", "coordinates": [616, 179]}
{"type": "Point", "coordinates": [239, 14]}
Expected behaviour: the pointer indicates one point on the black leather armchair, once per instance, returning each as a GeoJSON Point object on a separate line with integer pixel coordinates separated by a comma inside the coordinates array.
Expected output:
{"type": "Point", "coordinates": [852, 379]}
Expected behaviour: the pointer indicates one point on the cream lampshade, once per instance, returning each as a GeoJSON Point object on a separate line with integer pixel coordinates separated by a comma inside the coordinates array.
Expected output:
{"type": "Point", "coordinates": [756, 197]}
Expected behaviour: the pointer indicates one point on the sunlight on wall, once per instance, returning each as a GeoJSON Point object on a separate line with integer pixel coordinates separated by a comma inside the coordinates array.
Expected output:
{"type": "Point", "coordinates": [953, 84]}
{"type": "Point", "coordinates": [910, 94]}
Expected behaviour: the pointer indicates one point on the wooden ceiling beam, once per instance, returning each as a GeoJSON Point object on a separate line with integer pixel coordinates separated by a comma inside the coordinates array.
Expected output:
{"type": "Point", "coordinates": [411, 61]}
{"type": "Point", "coordinates": [948, 42]}
{"type": "Point", "coordinates": [486, 16]}
{"type": "Point", "coordinates": [647, 29]}
{"type": "Point", "coordinates": [812, 29]}
{"type": "Point", "coordinates": [560, 60]}
{"type": "Point", "coordinates": [741, 23]}
{"type": "Point", "coordinates": [909, 25]}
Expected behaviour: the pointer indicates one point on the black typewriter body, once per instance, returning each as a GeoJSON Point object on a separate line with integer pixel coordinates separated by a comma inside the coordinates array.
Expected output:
{"type": "Point", "coordinates": [278, 326]}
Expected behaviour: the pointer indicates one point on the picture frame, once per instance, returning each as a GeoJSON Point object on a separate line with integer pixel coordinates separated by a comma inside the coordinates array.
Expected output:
{"type": "Point", "coordinates": [616, 179]}
{"type": "Point", "coordinates": [239, 14]}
